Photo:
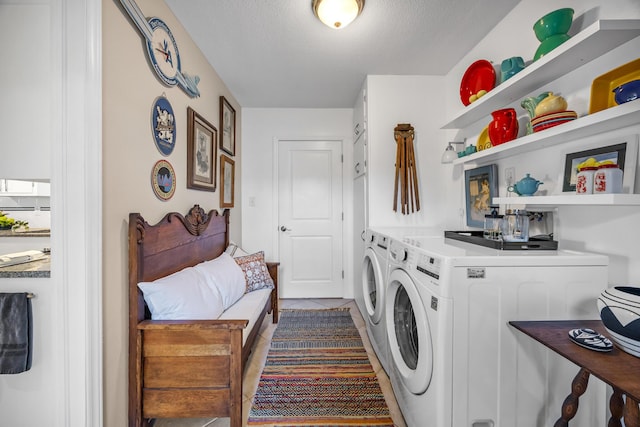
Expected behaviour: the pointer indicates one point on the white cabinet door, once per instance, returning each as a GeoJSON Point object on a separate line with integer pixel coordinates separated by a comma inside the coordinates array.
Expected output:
{"type": "Point", "coordinates": [359, 228]}
{"type": "Point", "coordinates": [360, 156]}
{"type": "Point", "coordinates": [360, 114]}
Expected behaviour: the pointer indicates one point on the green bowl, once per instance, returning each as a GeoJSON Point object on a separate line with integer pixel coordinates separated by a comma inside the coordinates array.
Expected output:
{"type": "Point", "coordinates": [549, 44]}
{"type": "Point", "coordinates": [554, 23]}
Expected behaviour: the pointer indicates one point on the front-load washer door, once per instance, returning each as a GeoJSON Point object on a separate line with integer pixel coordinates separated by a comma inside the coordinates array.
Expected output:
{"type": "Point", "coordinates": [409, 333]}
{"type": "Point", "coordinates": [373, 285]}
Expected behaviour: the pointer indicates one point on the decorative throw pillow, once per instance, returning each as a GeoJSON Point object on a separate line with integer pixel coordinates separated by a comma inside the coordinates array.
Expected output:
{"type": "Point", "coordinates": [182, 296]}
{"type": "Point", "coordinates": [226, 276]}
{"type": "Point", "coordinates": [255, 271]}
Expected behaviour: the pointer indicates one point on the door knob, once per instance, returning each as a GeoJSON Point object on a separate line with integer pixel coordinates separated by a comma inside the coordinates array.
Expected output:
{"type": "Point", "coordinates": [283, 228]}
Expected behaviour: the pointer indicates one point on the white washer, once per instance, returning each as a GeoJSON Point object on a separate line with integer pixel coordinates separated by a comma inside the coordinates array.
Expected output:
{"type": "Point", "coordinates": [455, 362]}
{"type": "Point", "coordinates": [370, 296]}
{"type": "Point", "coordinates": [372, 290]}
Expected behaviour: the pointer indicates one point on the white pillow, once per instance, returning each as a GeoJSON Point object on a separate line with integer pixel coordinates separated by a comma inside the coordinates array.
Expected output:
{"type": "Point", "coordinates": [235, 251]}
{"type": "Point", "coordinates": [224, 274]}
{"type": "Point", "coordinates": [184, 295]}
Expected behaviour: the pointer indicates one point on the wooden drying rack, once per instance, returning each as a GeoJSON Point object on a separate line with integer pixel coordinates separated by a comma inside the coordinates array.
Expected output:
{"type": "Point", "coordinates": [406, 179]}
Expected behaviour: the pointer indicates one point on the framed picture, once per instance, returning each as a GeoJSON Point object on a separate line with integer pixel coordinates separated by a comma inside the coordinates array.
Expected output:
{"type": "Point", "coordinates": [227, 181]}
{"type": "Point", "coordinates": [228, 124]}
{"type": "Point", "coordinates": [480, 187]}
{"type": "Point", "coordinates": [202, 152]}
{"type": "Point", "coordinates": [624, 154]}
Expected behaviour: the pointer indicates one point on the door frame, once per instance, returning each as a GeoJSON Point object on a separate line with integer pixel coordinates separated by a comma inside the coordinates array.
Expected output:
{"type": "Point", "coordinates": [347, 195]}
{"type": "Point", "coordinates": [76, 217]}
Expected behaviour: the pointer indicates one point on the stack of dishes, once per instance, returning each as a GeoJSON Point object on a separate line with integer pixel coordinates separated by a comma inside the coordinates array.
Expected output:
{"type": "Point", "coordinates": [546, 121]}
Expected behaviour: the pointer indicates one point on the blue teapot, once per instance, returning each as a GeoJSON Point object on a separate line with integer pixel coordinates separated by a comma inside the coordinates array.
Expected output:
{"type": "Point", "coordinates": [526, 186]}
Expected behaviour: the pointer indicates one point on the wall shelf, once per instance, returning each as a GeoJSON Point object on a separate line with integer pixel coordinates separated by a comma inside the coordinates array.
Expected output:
{"type": "Point", "coordinates": [572, 200]}
{"type": "Point", "coordinates": [597, 39]}
{"type": "Point", "coordinates": [610, 119]}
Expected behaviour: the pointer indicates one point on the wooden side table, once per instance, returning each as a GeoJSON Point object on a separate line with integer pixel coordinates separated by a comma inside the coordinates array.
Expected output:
{"type": "Point", "coordinates": [618, 369]}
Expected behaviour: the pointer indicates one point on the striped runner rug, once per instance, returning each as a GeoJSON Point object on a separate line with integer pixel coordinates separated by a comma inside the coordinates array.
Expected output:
{"type": "Point", "coordinates": [317, 373]}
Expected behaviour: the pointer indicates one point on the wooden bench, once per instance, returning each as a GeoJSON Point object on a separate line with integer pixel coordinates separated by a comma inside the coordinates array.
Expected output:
{"type": "Point", "coordinates": [184, 368]}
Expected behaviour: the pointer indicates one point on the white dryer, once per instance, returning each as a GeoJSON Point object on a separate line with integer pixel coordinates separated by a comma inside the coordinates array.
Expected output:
{"type": "Point", "coordinates": [373, 290]}
{"type": "Point", "coordinates": [454, 361]}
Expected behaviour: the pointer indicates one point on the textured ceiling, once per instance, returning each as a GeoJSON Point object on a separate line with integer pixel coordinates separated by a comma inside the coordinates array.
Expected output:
{"type": "Point", "coordinates": [276, 53]}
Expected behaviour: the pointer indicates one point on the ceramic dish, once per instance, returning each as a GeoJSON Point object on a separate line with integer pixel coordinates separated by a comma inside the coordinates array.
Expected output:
{"type": "Point", "coordinates": [553, 116]}
{"type": "Point", "coordinates": [547, 125]}
{"type": "Point", "coordinates": [483, 140]}
{"type": "Point", "coordinates": [602, 96]}
{"type": "Point", "coordinates": [479, 76]}
{"type": "Point", "coordinates": [627, 92]}
{"type": "Point", "coordinates": [550, 124]}
{"type": "Point", "coordinates": [620, 313]}
{"type": "Point", "coordinates": [588, 338]}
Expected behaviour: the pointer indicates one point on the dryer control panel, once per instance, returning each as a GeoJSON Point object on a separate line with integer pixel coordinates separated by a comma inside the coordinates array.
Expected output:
{"type": "Point", "coordinates": [429, 265]}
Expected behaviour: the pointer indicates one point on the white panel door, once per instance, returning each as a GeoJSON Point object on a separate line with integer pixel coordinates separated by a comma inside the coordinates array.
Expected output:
{"type": "Point", "coordinates": [310, 218]}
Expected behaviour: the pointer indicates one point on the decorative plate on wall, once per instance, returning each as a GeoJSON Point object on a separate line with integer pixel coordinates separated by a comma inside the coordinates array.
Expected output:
{"type": "Point", "coordinates": [162, 50]}
{"type": "Point", "coordinates": [163, 125]}
{"type": "Point", "coordinates": [163, 180]}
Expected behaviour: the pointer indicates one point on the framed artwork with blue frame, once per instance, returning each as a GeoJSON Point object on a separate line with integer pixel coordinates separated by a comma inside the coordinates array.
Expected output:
{"type": "Point", "coordinates": [480, 187]}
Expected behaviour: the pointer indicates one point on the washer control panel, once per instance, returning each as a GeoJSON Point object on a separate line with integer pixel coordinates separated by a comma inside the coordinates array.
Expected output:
{"type": "Point", "coordinates": [382, 241]}
{"type": "Point", "coordinates": [429, 265]}
{"type": "Point", "coordinates": [398, 253]}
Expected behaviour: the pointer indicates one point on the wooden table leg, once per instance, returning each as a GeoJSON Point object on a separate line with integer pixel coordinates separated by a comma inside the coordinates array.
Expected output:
{"type": "Point", "coordinates": [616, 406]}
{"type": "Point", "coordinates": [570, 404]}
{"type": "Point", "coordinates": [631, 413]}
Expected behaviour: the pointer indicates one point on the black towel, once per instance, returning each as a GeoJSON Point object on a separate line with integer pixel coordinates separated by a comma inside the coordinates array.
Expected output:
{"type": "Point", "coordinates": [15, 333]}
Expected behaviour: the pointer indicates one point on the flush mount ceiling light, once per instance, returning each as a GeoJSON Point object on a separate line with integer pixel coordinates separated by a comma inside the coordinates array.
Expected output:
{"type": "Point", "coordinates": [337, 13]}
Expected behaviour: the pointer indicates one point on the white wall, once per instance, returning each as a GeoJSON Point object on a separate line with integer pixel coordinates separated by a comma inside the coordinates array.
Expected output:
{"type": "Point", "coordinates": [64, 385]}
{"type": "Point", "coordinates": [25, 84]}
{"type": "Point", "coordinates": [261, 126]}
{"type": "Point", "coordinates": [130, 87]}
{"type": "Point", "coordinates": [391, 100]}
{"type": "Point", "coordinates": [25, 398]}
{"type": "Point", "coordinates": [405, 99]}
{"type": "Point", "coordinates": [609, 230]}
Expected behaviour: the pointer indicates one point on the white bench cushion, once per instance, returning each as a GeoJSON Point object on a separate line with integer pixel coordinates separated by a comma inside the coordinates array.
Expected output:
{"type": "Point", "coordinates": [248, 307]}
